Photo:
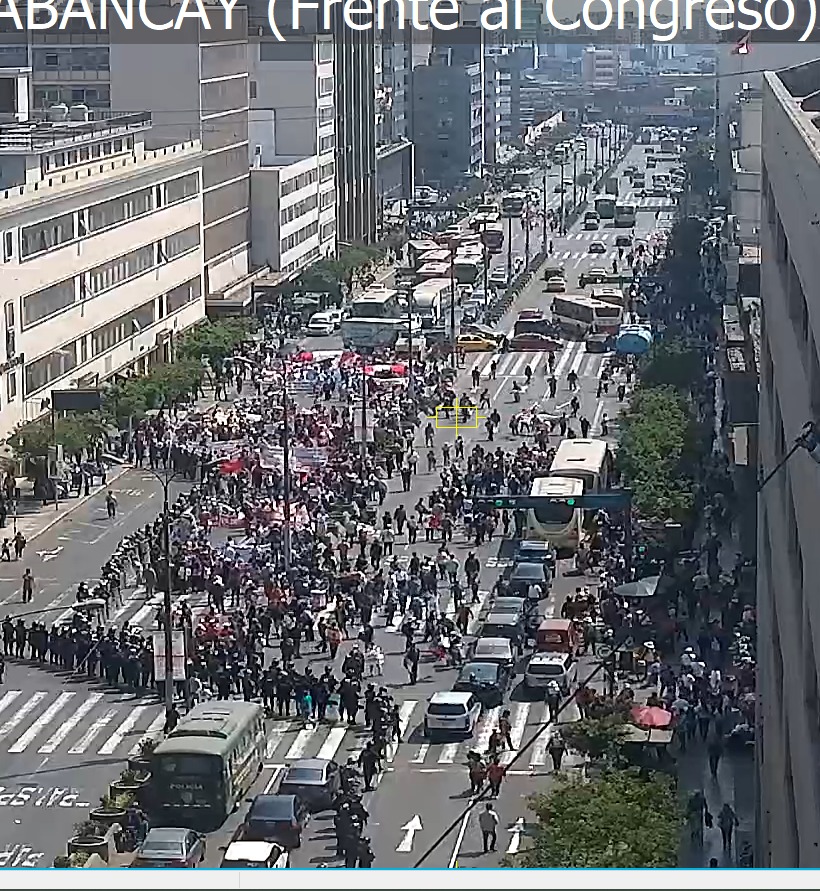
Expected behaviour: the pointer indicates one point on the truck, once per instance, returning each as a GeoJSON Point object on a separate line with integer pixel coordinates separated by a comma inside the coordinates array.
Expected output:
{"type": "Point", "coordinates": [612, 185]}
{"type": "Point", "coordinates": [668, 146]}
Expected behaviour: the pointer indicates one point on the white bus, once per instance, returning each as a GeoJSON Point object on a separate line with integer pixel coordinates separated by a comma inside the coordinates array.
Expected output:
{"type": "Point", "coordinates": [556, 523]}
{"type": "Point", "coordinates": [604, 294]}
{"type": "Point", "coordinates": [430, 300]}
{"type": "Point", "coordinates": [584, 315]}
{"type": "Point", "coordinates": [376, 303]}
{"type": "Point", "coordinates": [587, 460]}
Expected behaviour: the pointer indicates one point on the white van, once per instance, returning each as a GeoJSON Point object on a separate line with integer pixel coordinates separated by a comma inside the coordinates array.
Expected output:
{"type": "Point", "coordinates": [450, 713]}
{"type": "Point", "coordinates": [545, 667]}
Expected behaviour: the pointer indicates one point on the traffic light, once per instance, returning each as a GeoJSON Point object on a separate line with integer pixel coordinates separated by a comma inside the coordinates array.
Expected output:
{"type": "Point", "coordinates": [570, 502]}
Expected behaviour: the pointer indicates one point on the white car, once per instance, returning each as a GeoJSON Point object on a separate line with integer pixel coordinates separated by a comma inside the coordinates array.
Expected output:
{"type": "Point", "coordinates": [556, 284]}
{"type": "Point", "coordinates": [451, 713]}
{"type": "Point", "coordinates": [545, 667]}
{"type": "Point", "coordinates": [335, 316]}
{"type": "Point", "coordinates": [321, 324]}
{"type": "Point", "coordinates": [498, 279]}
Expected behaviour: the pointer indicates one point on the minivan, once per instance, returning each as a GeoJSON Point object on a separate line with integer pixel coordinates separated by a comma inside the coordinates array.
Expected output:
{"type": "Point", "coordinates": [450, 713]}
{"type": "Point", "coordinates": [545, 667]}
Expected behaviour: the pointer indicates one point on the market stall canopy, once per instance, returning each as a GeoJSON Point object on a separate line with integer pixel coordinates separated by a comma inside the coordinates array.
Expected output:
{"type": "Point", "coordinates": [633, 340]}
{"type": "Point", "coordinates": [649, 716]}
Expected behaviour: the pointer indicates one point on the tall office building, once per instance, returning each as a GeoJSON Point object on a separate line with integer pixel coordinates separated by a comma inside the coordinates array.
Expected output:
{"type": "Point", "coordinates": [787, 745]}
{"type": "Point", "coordinates": [356, 193]}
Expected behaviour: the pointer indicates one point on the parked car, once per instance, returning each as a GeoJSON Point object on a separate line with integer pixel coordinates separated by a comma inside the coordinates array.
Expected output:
{"type": "Point", "coordinates": [255, 855]}
{"type": "Point", "coordinates": [276, 818]}
{"type": "Point", "coordinates": [170, 848]}
{"type": "Point", "coordinates": [597, 247]}
{"type": "Point", "coordinates": [316, 781]}
{"type": "Point", "coordinates": [498, 279]}
{"type": "Point", "coordinates": [489, 681]}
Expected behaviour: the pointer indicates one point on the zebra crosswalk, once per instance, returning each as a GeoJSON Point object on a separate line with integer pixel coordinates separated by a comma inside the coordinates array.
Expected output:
{"type": "Point", "coordinates": [75, 723]}
{"type": "Point", "coordinates": [572, 357]}
{"type": "Point", "coordinates": [290, 740]}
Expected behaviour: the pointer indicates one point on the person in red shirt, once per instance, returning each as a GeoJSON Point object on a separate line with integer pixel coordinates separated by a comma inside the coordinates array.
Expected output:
{"type": "Point", "coordinates": [495, 774]}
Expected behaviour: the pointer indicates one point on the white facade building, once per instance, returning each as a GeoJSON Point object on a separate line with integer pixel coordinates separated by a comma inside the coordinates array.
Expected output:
{"type": "Point", "coordinates": [102, 257]}
{"type": "Point", "coordinates": [292, 154]}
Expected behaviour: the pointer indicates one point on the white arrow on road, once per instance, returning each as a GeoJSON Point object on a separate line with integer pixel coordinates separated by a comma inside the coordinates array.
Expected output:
{"type": "Point", "coordinates": [45, 556]}
{"type": "Point", "coordinates": [515, 841]}
{"type": "Point", "coordinates": [405, 846]}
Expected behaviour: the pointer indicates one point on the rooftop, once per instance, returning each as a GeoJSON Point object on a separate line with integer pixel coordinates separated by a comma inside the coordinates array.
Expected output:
{"type": "Point", "coordinates": [60, 127]}
{"type": "Point", "coordinates": [802, 84]}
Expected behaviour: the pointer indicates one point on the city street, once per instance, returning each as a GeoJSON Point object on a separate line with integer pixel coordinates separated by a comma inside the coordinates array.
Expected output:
{"type": "Point", "coordinates": [62, 740]}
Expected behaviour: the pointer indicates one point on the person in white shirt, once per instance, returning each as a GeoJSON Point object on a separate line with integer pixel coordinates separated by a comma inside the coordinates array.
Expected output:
{"type": "Point", "coordinates": [488, 821]}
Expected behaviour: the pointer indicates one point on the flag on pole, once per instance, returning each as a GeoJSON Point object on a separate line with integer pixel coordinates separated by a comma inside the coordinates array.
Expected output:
{"type": "Point", "coordinates": [742, 47]}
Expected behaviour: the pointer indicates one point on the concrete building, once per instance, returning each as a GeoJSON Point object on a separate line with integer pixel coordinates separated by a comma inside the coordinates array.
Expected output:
{"type": "Point", "coordinates": [292, 153]}
{"type": "Point", "coordinates": [788, 562]}
{"type": "Point", "coordinates": [448, 118]}
{"type": "Point", "coordinates": [102, 247]}
{"type": "Point", "coordinates": [600, 67]}
{"type": "Point", "coordinates": [355, 96]}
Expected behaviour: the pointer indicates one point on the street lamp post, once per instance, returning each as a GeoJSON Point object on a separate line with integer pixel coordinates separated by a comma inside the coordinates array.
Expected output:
{"type": "Point", "coordinates": [526, 221]}
{"type": "Point", "coordinates": [544, 213]}
{"type": "Point", "coordinates": [574, 180]}
{"type": "Point", "coordinates": [509, 249]}
{"type": "Point", "coordinates": [453, 357]}
{"type": "Point", "coordinates": [167, 608]}
{"type": "Point", "coordinates": [561, 212]}
{"type": "Point", "coordinates": [285, 351]}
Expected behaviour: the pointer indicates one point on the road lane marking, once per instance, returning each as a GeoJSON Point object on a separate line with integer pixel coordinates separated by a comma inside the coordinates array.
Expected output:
{"type": "Point", "coordinates": [421, 754]}
{"type": "Point", "coordinates": [43, 721]}
{"type": "Point", "coordinates": [462, 829]}
{"type": "Point", "coordinates": [8, 698]}
{"type": "Point", "coordinates": [119, 734]}
{"type": "Point", "coordinates": [272, 781]}
{"type": "Point", "coordinates": [487, 724]}
{"type": "Point", "coordinates": [331, 745]}
{"type": "Point", "coordinates": [297, 750]}
{"type": "Point", "coordinates": [406, 710]}
{"type": "Point", "coordinates": [67, 726]}
{"type": "Point", "coordinates": [449, 753]}
{"type": "Point", "coordinates": [154, 727]}
{"type": "Point", "coordinates": [21, 713]}
{"type": "Point", "coordinates": [538, 755]}
{"type": "Point", "coordinates": [93, 731]}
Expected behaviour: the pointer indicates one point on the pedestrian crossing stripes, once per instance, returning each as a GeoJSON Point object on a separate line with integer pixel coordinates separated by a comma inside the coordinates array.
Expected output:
{"type": "Point", "coordinates": [74, 722]}
{"type": "Point", "coordinates": [573, 357]}
{"type": "Point", "coordinates": [290, 739]}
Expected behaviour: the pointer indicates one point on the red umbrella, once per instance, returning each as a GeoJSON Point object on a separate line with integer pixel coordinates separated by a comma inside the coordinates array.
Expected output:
{"type": "Point", "coordinates": [305, 356]}
{"type": "Point", "coordinates": [650, 716]}
{"type": "Point", "coordinates": [233, 466]}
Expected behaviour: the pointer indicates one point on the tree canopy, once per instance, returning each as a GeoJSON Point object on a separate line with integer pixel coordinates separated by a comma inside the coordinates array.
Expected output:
{"type": "Point", "coordinates": [621, 820]}
{"type": "Point", "coordinates": [672, 363]}
{"type": "Point", "coordinates": [657, 451]}
{"type": "Point", "coordinates": [213, 340]}
{"type": "Point", "coordinates": [74, 433]}
{"type": "Point", "coordinates": [595, 737]}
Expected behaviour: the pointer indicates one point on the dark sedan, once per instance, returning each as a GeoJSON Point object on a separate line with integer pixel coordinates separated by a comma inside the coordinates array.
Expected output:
{"type": "Point", "coordinates": [276, 818]}
{"type": "Point", "coordinates": [526, 574]}
{"type": "Point", "coordinates": [316, 781]}
{"type": "Point", "coordinates": [533, 342]}
{"type": "Point", "coordinates": [487, 680]}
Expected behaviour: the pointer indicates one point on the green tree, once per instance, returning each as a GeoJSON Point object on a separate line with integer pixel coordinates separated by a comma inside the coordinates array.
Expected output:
{"type": "Point", "coordinates": [74, 433]}
{"type": "Point", "coordinates": [215, 341]}
{"type": "Point", "coordinates": [597, 738]}
{"type": "Point", "coordinates": [621, 820]}
{"type": "Point", "coordinates": [672, 363]}
{"type": "Point", "coordinates": [700, 168]}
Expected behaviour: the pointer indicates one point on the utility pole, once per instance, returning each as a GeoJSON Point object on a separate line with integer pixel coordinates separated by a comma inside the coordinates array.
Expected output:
{"type": "Point", "coordinates": [453, 357]}
{"type": "Point", "coordinates": [574, 179]}
{"type": "Point", "coordinates": [561, 219]}
{"type": "Point", "coordinates": [526, 221]}
{"type": "Point", "coordinates": [544, 213]}
{"type": "Point", "coordinates": [285, 351]}
{"type": "Point", "coordinates": [167, 610]}
{"type": "Point", "coordinates": [509, 250]}
{"type": "Point", "coordinates": [364, 420]}
{"type": "Point", "coordinates": [410, 365]}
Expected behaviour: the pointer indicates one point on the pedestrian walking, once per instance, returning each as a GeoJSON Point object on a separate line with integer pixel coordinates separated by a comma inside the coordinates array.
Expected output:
{"type": "Point", "coordinates": [28, 586]}
{"type": "Point", "coordinates": [488, 821]}
{"type": "Point", "coordinates": [727, 821]}
{"type": "Point", "coordinates": [495, 774]}
{"type": "Point", "coordinates": [111, 504]}
{"type": "Point", "coordinates": [557, 749]}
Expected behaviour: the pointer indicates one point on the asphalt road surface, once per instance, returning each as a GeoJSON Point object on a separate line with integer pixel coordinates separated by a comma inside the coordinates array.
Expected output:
{"type": "Point", "coordinates": [62, 740]}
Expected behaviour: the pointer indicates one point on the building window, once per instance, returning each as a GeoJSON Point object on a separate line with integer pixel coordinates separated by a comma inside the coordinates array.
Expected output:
{"type": "Point", "coordinates": [41, 372]}
{"type": "Point", "coordinates": [184, 187]}
{"type": "Point", "coordinates": [326, 143]}
{"type": "Point", "coordinates": [325, 86]}
{"type": "Point", "coordinates": [301, 181]}
{"type": "Point", "coordinates": [324, 50]}
{"type": "Point", "coordinates": [43, 304]}
{"type": "Point", "coordinates": [327, 199]}
{"type": "Point", "coordinates": [252, 89]}
{"type": "Point", "coordinates": [300, 208]}
{"type": "Point", "coordinates": [8, 246]}
{"type": "Point", "coordinates": [184, 294]}
{"type": "Point", "coordinates": [121, 270]}
{"type": "Point", "coordinates": [291, 241]}
{"type": "Point", "coordinates": [119, 210]}
{"type": "Point", "coordinates": [108, 336]}
{"type": "Point", "coordinates": [181, 242]}
{"type": "Point", "coordinates": [328, 231]}
{"type": "Point", "coordinates": [11, 386]}
{"type": "Point", "coordinates": [327, 171]}
{"type": "Point", "coordinates": [45, 236]}
{"type": "Point", "coordinates": [326, 114]}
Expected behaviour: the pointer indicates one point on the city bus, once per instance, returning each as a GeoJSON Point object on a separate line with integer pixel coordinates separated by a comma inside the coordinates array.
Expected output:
{"type": "Point", "coordinates": [376, 303]}
{"type": "Point", "coordinates": [583, 315]}
{"type": "Point", "coordinates": [615, 296]}
{"type": "Point", "coordinates": [430, 301]}
{"type": "Point", "coordinates": [625, 215]}
{"type": "Point", "coordinates": [493, 237]}
{"type": "Point", "coordinates": [204, 768]}
{"type": "Point", "coordinates": [467, 266]}
{"type": "Point", "coordinates": [587, 460]}
{"type": "Point", "coordinates": [605, 208]}
{"type": "Point", "coordinates": [556, 523]}
{"type": "Point", "coordinates": [512, 204]}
